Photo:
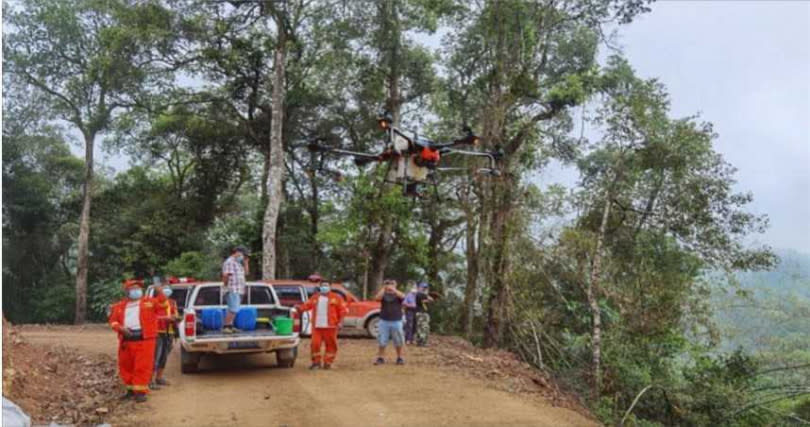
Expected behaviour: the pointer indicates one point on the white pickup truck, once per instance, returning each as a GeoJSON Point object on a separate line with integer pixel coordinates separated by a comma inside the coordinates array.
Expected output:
{"type": "Point", "coordinates": [196, 341]}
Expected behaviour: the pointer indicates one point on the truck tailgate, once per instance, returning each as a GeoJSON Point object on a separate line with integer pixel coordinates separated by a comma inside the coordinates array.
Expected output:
{"type": "Point", "coordinates": [243, 342]}
{"type": "Point", "coordinates": [256, 334]}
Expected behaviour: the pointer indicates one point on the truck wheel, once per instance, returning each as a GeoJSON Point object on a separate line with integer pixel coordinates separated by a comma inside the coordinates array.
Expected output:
{"type": "Point", "coordinates": [373, 327]}
{"type": "Point", "coordinates": [286, 357]}
{"type": "Point", "coordinates": [189, 362]}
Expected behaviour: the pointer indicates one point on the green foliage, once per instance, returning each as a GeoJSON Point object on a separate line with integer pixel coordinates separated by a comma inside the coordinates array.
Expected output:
{"type": "Point", "coordinates": [511, 69]}
{"type": "Point", "coordinates": [802, 409]}
{"type": "Point", "coordinates": [99, 297]}
{"type": "Point", "coordinates": [53, 305]}
{"type": "Point", "coordinates": [718, 387]}
{"type": "Point", "coordinates": [192, 264]}
{"type": "Point", "coordinates": [40, 184]}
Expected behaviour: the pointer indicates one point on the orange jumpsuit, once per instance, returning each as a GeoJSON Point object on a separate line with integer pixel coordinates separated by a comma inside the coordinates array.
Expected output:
{"type": "Point", "coordinates": [336, 310]}
{"type": "Point", "coordinates": [136, 358]}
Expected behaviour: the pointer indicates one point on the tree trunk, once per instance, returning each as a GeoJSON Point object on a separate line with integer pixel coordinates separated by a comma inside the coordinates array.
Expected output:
{"type": "Point", "coordinates": [499, 263]}
{"type": "Point", "coordinates": [471, 290]}
{"type": "Point", "coordinates": [84, 231]}
{"type": "Point", "coordinates": [265, 174]}
{"type": "Point", "coordinates": [437, 231]}
{"type": "Point", "coordinates": [380, 255]}
{"type": "Point", "coordinates": [275, 174]}
{"type": "Point", "coordinates": [365, 282]}
{"type": "Point", "coordinates": [593, 301]}
{"type": "Point", "coordinates": [314, 217]}
{"type": "Point", "coordinates": [382, 249]}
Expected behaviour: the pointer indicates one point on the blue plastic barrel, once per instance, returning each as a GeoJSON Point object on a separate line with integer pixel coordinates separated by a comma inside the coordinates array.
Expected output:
{"type": "Point", "coordinates": [211, 318]}
{"type": "Point", "coordinates": [246, 319]}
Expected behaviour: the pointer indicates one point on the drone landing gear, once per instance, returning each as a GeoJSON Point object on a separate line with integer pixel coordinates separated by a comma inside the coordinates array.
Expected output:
{"type": "Point", "coordinates": [412, 189]}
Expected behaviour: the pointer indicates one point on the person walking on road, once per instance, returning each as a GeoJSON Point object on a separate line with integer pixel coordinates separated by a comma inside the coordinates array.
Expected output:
{"type": "Point", "coordinates": [422, 316]}
{"type": "Point", "coordinates": [410, 312]}
{"type": "Point", "coordinates": [135, 319]}
{"type": "Point", "coordinates": [328, 310]}
{"type": "Point", "coordinates": [233, 279]}
{"type": "Point", "coordinates": [390, 320]}
{"type": "Point", "coordinates": [165, 338]}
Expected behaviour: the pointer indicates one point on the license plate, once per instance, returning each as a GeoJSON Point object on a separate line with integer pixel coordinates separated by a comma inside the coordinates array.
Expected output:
{"type": "Point", "coordinates": [242, 345]}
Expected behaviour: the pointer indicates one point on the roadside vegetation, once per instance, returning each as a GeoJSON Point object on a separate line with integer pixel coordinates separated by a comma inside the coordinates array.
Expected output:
{"type": "Point", "coordinates": [620, 285]}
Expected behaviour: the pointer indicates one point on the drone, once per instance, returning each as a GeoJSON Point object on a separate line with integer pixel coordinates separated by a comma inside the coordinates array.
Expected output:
{"type": "Point", "coordinates": [412, 160]}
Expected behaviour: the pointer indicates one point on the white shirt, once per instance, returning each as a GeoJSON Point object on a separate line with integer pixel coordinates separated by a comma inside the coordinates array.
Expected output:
{"type": "Point", "coordinates": [132, 316]}
{"type": "Point", "coordinates": [322, 314]}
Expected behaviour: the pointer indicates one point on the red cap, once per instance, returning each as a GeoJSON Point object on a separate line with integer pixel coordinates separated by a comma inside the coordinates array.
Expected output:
{"type": "Point", "coordinates": [315, 278]}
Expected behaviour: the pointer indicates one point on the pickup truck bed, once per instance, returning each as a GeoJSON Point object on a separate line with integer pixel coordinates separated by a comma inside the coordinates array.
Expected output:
{"type": "Point", "coordinates": [202, 334]}
{"type": "Point", "coordinates": [196, 341]}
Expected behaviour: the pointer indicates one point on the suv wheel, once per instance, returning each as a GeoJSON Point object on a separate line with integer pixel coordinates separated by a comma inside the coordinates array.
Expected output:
{"type": "Point", "coordinates": [189, 362]}
{"type": "Point", "coordinates": [286, 357]}
{"type": "Point", "coordinates": [373, 327]}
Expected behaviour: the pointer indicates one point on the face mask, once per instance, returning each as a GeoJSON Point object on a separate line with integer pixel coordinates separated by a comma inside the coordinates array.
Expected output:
{"type": "Point", "coordinates": [135, 293]}
{"type": "Point", "coordinates": [239, 259]}
{"type": "Point", "coordinates": [167, 292]}
{"type": "Point", "coordinates": [324, 289]}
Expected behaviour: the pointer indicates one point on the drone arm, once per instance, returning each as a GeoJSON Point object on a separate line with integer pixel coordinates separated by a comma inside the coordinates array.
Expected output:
{"type": "Point", "coordinates": [492, 156]}
{"type": "Point", "coordinates": [354, 154]}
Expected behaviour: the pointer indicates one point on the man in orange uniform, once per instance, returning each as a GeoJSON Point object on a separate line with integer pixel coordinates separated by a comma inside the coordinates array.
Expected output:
{"type": "Point", "coordinates": [328, 309]}
{"type": "Point", "coordinates": [135, 318]}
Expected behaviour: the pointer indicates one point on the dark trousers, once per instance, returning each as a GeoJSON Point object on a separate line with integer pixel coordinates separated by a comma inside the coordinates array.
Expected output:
{"type": "Point", "coordinates": [410, 324]}
{"type": "Point", "coordinates": [163, 346]}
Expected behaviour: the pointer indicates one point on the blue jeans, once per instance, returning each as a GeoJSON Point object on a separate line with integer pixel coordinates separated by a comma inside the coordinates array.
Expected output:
{"type": "Point", "coordinates": [390, 330]}
{"type": "Point", "coordinates": [233, 301]}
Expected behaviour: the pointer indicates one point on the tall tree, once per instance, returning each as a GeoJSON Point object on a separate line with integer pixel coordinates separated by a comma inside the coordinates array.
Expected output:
{"type": "Point", "coordinates": [655, 179]}
{"type": "Point", "coordinates": [90, 59]}
{"type": "Point", "coordinates": [275, 174]}
{"type": "Point", "coordinates": [404, 70]}
{"type": "Point", "coordinates": [531, 61]}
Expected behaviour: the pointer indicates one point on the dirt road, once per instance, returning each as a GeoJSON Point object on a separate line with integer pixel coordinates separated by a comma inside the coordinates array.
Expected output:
{"type": "Point", "coordinates": [251, 391]}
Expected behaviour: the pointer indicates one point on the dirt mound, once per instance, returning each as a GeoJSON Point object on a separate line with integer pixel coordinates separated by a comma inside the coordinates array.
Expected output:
{"type": "Point", "coordinates": [59, 384]}
{"type": "Point", "coordinates": [501, 369]}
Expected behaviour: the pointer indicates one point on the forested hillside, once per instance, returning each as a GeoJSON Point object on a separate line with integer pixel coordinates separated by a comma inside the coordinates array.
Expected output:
{"type": "Point", "coordinates": [770, 316]}
{"type": "Point", "coordinates": [215, 103]}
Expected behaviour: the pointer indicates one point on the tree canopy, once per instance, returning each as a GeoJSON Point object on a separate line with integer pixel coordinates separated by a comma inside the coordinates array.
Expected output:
{"type": "Point", "coordinates": [614, 284]}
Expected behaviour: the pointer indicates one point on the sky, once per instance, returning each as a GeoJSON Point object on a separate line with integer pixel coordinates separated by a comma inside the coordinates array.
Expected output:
{"type": "Point", "coordinates": [744, 66]}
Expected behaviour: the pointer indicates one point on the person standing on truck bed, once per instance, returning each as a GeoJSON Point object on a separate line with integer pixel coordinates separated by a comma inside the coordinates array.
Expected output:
{"type": "Point", "coordinates": [135, 319]}
{"type": "Point", "coordinates": [165, 337]}
{"type": "Point", "coordinates": [328, 309]}
{"type": "Point", "coordinates": [233, 279]}
{"type": "Point", "coordinates": [390, 320]}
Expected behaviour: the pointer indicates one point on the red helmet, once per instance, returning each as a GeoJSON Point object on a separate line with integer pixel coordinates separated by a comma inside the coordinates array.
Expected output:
{"type": "Point", "coordinates": [131, 283]}
{"type": "Point", "coordinates": [315, 278]}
